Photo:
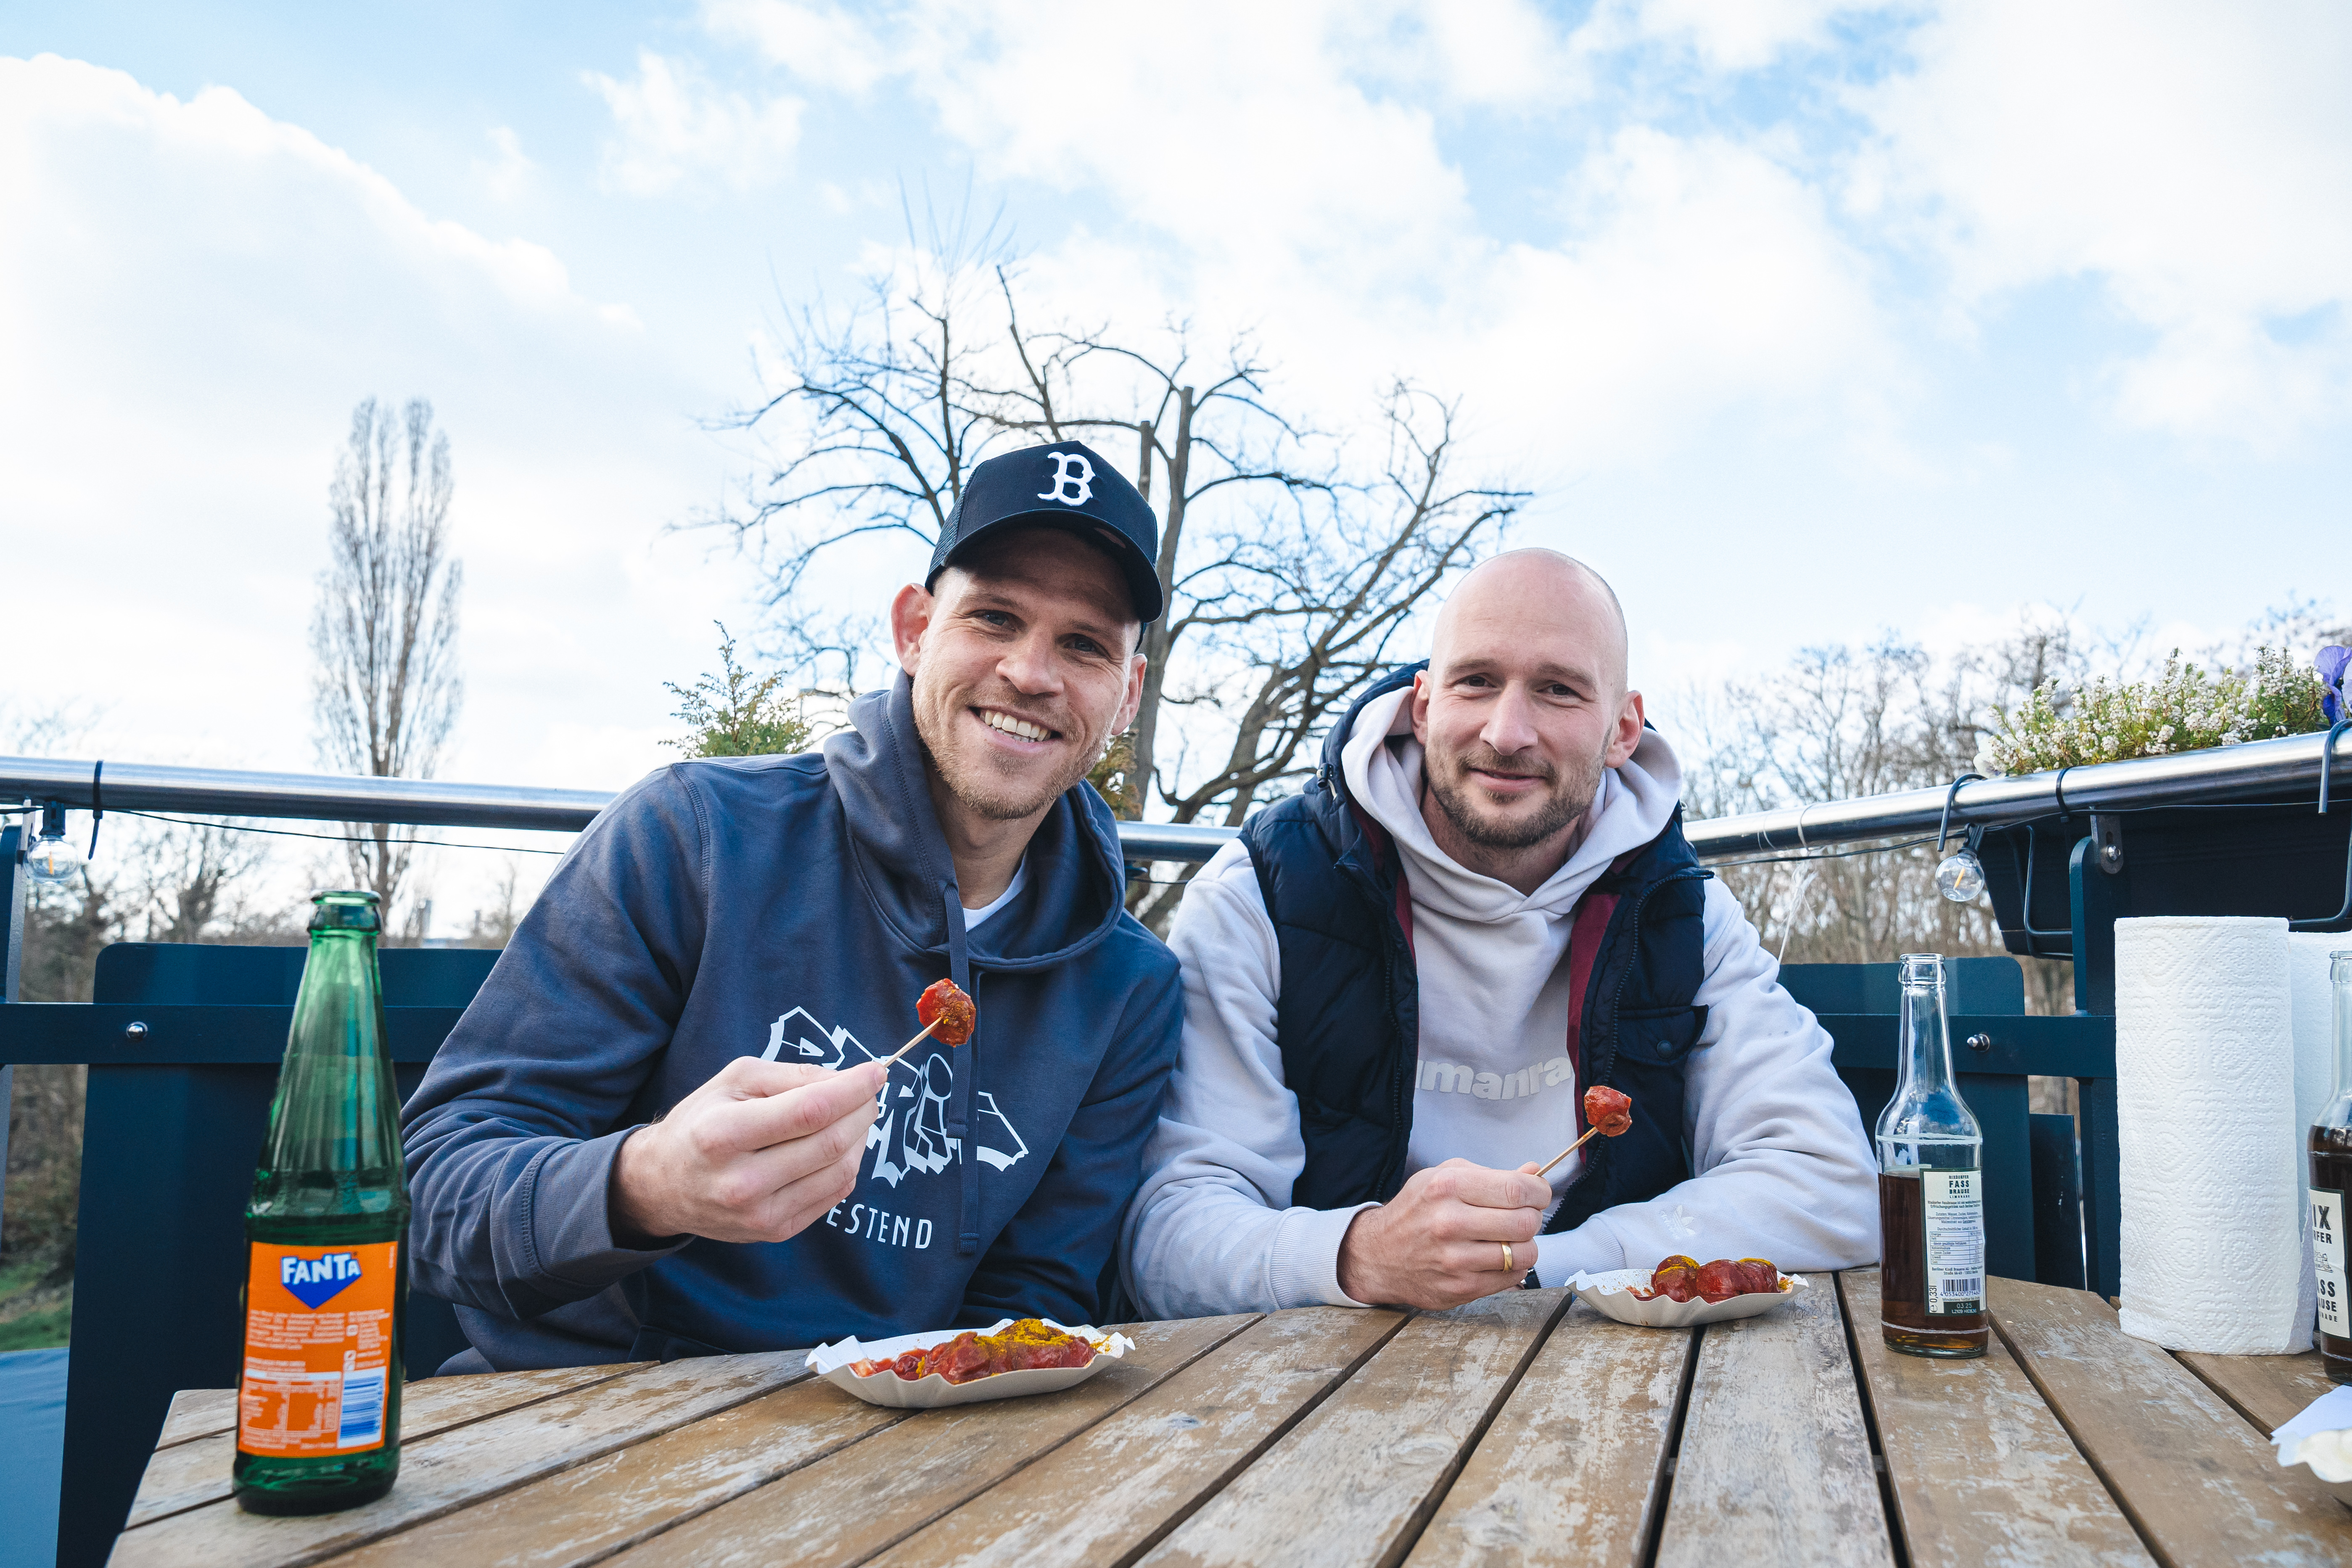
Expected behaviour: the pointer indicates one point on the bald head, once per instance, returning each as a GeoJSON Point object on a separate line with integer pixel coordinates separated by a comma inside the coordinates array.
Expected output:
{"type": "Point", "coordinates": [1537, 595]}
{"type": "Point", "coordinates": [1523, 707]}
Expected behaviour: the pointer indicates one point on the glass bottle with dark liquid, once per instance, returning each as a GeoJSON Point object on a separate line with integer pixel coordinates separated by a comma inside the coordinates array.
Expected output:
{"type": "Point", "coordinates": [2331, 1179]}
{"type": "Point", "coordinates": [1930, 1187]}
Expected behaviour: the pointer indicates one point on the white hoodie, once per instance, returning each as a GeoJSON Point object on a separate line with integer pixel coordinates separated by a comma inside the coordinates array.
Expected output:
{"type": "Point", "coordinates": [1784, 1171]}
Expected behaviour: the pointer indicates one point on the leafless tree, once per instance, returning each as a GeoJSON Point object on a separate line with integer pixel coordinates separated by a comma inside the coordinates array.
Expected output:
{"type": "Point", "coordinates": [1839, 721]}
{"type": "Point", "coordinates": [189, 876]}
{"type": "Point", "coordinates": [1206, 428]}
{"type": "Point", "coordinates": [383, 639]}
{"type": "Point", "coordinates": [872, 413]}
{"type": "Point", "coordinates": [494, 926]}
{"type": "Point", "coordinates": [1288, 572]}
{"type": "Point", "coordinates": [1293, 615]}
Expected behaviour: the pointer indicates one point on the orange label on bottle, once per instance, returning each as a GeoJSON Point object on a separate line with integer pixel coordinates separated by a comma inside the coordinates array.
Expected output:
{"type": "Point", "coordinates": [317, 1348]}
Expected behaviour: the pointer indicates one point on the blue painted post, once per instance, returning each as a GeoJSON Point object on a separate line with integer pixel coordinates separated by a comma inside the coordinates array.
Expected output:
{"type": "Point", "coordinates": [11, 963]}
{"type": "Point", "coordinates": [2098, 897]}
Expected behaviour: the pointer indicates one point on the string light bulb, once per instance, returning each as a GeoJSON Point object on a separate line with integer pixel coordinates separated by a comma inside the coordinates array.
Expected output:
{"type": "Point", "coordinates": [50, 859]}
{"type": "Point", "coordinates": [1960, 877]}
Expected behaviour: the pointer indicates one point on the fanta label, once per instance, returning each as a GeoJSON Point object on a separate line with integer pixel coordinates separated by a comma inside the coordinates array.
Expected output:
{"type": "Point", "coordinates": [317, 1348]}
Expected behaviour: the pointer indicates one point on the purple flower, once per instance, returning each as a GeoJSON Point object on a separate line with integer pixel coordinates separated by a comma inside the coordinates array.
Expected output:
{"type": "Point", "coordinates": [2331, 663]}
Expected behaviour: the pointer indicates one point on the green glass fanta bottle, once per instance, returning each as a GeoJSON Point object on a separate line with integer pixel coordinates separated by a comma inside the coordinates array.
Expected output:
{"type": "Point", "coordinates": [326, 1286]}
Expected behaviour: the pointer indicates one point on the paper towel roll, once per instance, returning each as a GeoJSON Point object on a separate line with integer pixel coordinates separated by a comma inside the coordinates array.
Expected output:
{"type": "Point", "coordinates": [2313, 996]}
{"type": "Point", "coordinates": [2207, 1149]}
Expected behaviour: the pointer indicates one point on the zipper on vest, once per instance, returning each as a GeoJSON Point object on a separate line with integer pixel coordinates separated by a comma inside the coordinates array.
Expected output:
{"type": "Point", "coordinates": [1616, 1001]}
{"type": "Point", "coordinates": [1407, 1069]}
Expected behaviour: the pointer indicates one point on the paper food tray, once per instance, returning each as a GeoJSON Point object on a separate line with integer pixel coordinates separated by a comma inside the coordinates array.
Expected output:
{"type": "Point", "coordinates": [831, 1362]}
{"type": "Point", "coordinates": [1611, 1295]}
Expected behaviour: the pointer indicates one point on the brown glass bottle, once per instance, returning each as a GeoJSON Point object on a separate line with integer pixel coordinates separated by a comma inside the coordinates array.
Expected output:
{"type": "Point", "coordinates": [1903, 1278]}
{"type": "Point", "coordinates": [2331, 1178]}
{"type": "Point", "coordinates": [2330, 1194]}
{"type": "Point", "coordinates": [1931, 1278]}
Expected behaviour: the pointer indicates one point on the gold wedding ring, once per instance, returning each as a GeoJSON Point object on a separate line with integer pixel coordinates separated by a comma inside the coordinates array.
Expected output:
{"type": "Point", "coordinates": [1507, 1257]}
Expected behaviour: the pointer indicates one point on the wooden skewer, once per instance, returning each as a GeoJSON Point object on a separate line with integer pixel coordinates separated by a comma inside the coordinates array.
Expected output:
{"type": "Point", "coordinates": [918, 1040]}
{"type": "Point", "coordinates": [1564, 1153]}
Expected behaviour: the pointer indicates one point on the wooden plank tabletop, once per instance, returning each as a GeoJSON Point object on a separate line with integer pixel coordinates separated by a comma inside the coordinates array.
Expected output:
{"type": "Point", "coordinates": [1573, 1468]}
{"type": "Point", "coordinates": [1979, 1468]}
{"type": "Point", "coordinates": [1775, 1465]}
{"type": "Point", "coordinates": [1522, 1429]}
{"type": "Point", "coordinates": [2201, 1483]}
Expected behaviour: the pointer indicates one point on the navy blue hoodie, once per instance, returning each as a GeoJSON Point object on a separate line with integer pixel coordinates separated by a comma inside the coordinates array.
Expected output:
{"type": "Point", "coordinates": [793, 908]}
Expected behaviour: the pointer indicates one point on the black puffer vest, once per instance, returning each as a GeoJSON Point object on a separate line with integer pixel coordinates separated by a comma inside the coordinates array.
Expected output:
{"type": "Point", "coordinates": [1348, 1018]}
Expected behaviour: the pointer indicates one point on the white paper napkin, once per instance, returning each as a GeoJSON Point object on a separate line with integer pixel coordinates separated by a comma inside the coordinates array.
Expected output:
{"type": "Point", "coordinates": [2207, 1149]}
{"type": "Point", "coordinates": [2321, 1436]}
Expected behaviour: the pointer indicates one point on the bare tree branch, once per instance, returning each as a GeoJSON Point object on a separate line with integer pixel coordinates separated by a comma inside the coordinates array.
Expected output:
{"type": "Point", "coordinates": [1287, 577]}
{"type": "Point", "coordinates": [383, 638]}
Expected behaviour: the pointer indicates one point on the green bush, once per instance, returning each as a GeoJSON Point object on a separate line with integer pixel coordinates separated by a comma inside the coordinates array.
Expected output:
{"type": "Point", "coordinates": [736, 714]}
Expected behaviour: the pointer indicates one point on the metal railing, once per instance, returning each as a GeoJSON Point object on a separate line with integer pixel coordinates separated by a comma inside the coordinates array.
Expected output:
{"type": "Point", "coordinates": [2255, 768]}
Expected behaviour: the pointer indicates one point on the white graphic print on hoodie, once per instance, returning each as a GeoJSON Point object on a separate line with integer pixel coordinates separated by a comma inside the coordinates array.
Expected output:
{"type": "Point", "coordinates": [1784, 1170]}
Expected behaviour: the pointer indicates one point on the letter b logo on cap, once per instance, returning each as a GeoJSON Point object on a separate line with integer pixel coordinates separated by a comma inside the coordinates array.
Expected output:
{"type": "Point", "coordinates": [1073, 479]}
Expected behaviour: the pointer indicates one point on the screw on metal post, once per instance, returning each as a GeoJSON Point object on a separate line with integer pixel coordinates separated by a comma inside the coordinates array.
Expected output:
{"type": "Point", "coordinates": [2108, 833]}
{"type": "Point", "coordinates": [136, 1033]}
{"type": "Point", "coordinates": [1979, 1042]}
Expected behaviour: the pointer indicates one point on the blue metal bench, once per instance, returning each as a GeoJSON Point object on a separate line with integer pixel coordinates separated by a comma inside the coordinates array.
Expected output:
{"type": "Point", "coordinates": [183, 1043]}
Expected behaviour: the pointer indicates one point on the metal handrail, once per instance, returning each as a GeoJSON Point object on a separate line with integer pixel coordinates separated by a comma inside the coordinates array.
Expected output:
{"type": "Point", "coordinates": [2223, 773]}
{"type": "Point", "coordinates": [2255, 768]}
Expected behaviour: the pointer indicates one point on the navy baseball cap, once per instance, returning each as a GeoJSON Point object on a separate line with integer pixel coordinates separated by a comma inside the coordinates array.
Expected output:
{"type": "Point", "coordinates": [1066, 486]}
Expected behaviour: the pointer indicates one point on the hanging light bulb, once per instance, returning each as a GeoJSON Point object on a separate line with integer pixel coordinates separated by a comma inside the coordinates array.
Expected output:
{"type": "Point", "coordinates": [50, 859]}
{"type": "Point", "coordinates": [1961, 876]}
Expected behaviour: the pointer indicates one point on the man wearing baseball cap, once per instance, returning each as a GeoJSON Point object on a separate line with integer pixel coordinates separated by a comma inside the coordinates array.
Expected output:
{"type": "Point", "coordinates": [665, 1127]}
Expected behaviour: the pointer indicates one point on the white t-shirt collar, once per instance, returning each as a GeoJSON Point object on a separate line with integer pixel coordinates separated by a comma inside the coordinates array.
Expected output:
{"type": "Point", "coordinates": [974, 919]}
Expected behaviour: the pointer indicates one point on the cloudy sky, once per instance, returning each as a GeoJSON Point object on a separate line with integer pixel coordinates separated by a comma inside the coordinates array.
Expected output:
{"type": "Point", "coordinates": [1803, 319]}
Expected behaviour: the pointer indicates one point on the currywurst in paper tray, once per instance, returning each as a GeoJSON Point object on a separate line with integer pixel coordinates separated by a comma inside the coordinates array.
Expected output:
{"type": "Point", "coordinates": [1611, 1295]}
{"type": "Point", "coordinates": [832, 1362]}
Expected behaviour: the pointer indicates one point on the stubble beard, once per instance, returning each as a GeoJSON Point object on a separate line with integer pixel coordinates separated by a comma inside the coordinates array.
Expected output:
{"type": "Point", "coordinates": [982, 790]}
{"type": "Point", "coordinates": [1568, 799]}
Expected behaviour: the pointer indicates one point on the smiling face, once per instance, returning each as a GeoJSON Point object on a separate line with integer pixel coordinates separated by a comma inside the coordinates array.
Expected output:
{"type": "Point", "coordinates": [1024, 668]}
{"type": "Point", "coordinates": [1523, 705]}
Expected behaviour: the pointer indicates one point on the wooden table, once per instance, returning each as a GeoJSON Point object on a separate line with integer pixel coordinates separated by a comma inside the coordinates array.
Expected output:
{"type": "Point", "coordinates": [1520, 1429]}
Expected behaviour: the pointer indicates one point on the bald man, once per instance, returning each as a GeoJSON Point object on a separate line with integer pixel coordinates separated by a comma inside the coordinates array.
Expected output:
{"type": "Point", "coordinates": [1399, 983]}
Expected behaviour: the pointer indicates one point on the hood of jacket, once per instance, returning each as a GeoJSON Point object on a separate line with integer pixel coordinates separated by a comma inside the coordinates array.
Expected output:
{"type": "Point", "coordinates": [1077, 879]}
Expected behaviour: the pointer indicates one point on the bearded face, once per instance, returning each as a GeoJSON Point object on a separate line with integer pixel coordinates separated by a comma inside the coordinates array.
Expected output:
{"type": "Point", "coordinates": [1514, 802]}
{"type": "Point", "coordinates": [1523, 706]}
{"type": "Point", "coordinates": [1022, 670]}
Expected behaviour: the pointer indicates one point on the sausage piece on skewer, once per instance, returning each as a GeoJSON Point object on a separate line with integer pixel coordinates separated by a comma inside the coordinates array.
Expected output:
{"type": "Point", "coordinates": [943, 1009]}
{"type": "Point", "coordinates": [944, 1005]}
{"type": "Point", "coordinates": [1610, 1112]}
{"type": "Point", "coordinates": [1611, 1115]}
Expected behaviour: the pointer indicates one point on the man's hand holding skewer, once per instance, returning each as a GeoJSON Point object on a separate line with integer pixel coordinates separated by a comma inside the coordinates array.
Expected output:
{"type": "Point", "coordinates": [765, 1147]}
{"type": "Point", "coordinates": [1454, 1233]}
{"type": "Point", "coordinates": [1458, 1231]}
{"type": "Point", "coordinates": [758, 1154]}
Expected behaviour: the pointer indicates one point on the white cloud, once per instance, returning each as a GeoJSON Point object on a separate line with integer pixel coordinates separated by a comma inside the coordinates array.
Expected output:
{"type": "Point", "coordinates": [1725, 36]}
{"type": "Point", "coordinates": [673, 126]}
{"type": "Point", "coordinates": [193, 296]}
{"type": "Point", "coordinates": [2191, 160]}
{"type": "Point", "coordinates": [821, 45]}
{"type": "Point", "coordinates": [504, 177]}
{"type": "Point", "coordinates": [1265, 174]}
